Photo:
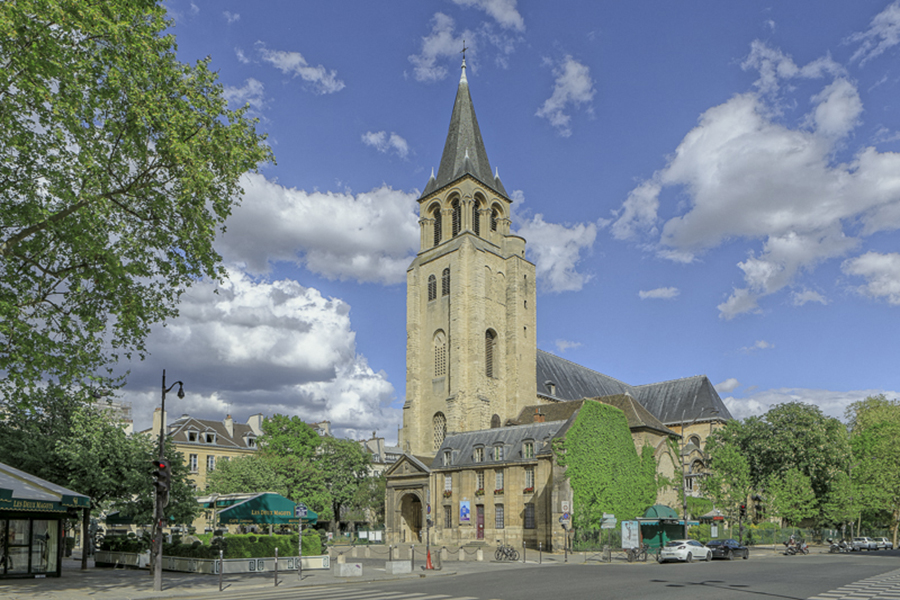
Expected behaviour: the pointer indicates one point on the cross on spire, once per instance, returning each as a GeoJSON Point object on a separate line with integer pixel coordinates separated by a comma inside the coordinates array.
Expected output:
{"type": "Point", "coordinates": [464, 50]}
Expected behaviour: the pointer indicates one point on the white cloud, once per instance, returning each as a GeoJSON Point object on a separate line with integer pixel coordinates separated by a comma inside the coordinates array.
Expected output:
{"type": "Point", "coordinates": [250, 347]}
{"type": "Point", "coordinates": [748, 175]}
{"type": "Point", "coordinates": [801, 298]}
{"type": "Point", "coordinates": [832, 403]}
{"type": "Point", "coordinates": [231, 17]}
{"type": "Point", "coordinates": [242, 58]}
{"type": "Point", "coordinates": [252, 93]}
{"type": "Point", "coordinates": [440, 43]}
{"type": "Point", "coordinates": [321, 79]}
{"type": "Point", "coordinates": [881, 272]}
{"type": "Point", "coordinates": [371, 236]}
{"type": "Point", "coordinates": [384, 143]}
{"type": "Point", "coordinates": [727, 386]}
{"type": "Point", "coordinates": [572, 89]}
{"type": "Point", "coordinates": [883, 34]}
{"type": "Point", "coordinates": [759, 345]}
{"type": "Point", "coordinates": [502, 11]}
{"type": "Point", "coordinates": [556, 251]}
{"type": "Point", "coordinates": [666, 293]}
{"type": "Point", "coordinates": [563, 345]}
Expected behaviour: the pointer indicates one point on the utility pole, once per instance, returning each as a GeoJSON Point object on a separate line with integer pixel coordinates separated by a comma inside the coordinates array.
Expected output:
{"type": "Point", "coordinates": [163, 484]}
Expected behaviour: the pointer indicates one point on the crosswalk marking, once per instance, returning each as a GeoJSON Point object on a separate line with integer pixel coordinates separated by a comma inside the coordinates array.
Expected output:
{"type": "Point", "coordinates": [880, 587]}
{"type": "Point", "coordinates": [340, 593]}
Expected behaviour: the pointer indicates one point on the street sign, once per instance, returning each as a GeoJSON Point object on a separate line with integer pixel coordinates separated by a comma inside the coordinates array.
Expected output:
{"type": "Point", "coordinates": [300, 511]}
{"type": "Point", "coordinates": [564, 518]}
{"type": "Point", "coordinates": [565, 506]}
{"type": "Point", "coordinates": [608, 523]}
{"type": "Point", "coordinates": [609, 516]}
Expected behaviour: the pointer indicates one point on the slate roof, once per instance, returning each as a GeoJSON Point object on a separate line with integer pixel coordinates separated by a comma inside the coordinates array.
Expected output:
{"type": "Point", "coordinates": [179, 429]}
{"type": "Point", "coordinates": [462, 445]}
{"type": "Point", "coordinates": [671, 402]}
{"type": "Point", "coordinates": [464, 152]}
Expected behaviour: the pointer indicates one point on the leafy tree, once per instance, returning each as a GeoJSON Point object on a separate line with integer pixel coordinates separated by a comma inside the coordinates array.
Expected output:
{"type": "Point", "coordinates": [288, 436]}
{"type": "Point", "coordinates": [118, 166]}
{"type": "Point", "coordinates": [344, 467]}
{"type": "Point", "coordinates": [728, 483]}
{"type": "Point", "coordinates": [792, 497]}
{"type": "Point", "coordinates": [367, 503]}
{"type": "Point", "coordinates": [250, 474]}
{"type": "Point", "coordinates": [875, 429]}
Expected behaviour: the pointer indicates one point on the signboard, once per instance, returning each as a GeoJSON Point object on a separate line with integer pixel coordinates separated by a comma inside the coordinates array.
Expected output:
{"type": "Point", "coordinates": [564, 518]}
{"type": "Point", "coordinates": [564, 505]}
{"type": "Point", "coordinates": [631, 534]}
{"type": "Point", "coordinates": [464, 511]}
{"type": "Point", "coordinates": [300, 511]}
{"type": "Point", "coordinates": [608, 523]}
{"type": "Point", "coordinates": [714, 531]}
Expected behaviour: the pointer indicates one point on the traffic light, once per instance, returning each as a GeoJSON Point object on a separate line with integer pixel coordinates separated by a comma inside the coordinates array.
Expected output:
{"type": "Point", "coordinates": [758, 504]}
{"type": "Point", "coordinates": [743, 510]}
{"type": "Point", "coordinates": [163, 477]}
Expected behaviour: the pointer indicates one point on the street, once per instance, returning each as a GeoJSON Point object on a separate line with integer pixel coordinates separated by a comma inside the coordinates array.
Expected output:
{"type": "Point", "coordinates": [765, 575]}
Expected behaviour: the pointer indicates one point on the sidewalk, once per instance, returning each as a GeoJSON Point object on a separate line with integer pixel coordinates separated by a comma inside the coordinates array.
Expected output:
{"type": "Point", "coordinates": [137, 584]}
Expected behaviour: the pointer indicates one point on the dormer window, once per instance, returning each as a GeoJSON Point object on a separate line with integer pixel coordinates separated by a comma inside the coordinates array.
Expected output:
{"type": "Point", "coordinates": [551, 387]}
{"type": "Point", "coordinates": [448, 458]}
{"type": "Point", "coordinates": [251, 441]}
{"type": "Point", "coordinates": [192, 436]}
{"type": "Point", "coordinates": [498, 452]}
{"type": "Point", "coordinates": [209, 438]}
{"type": "Point", "coordinates": [528, 449]}
{"type": "Point", "coordinates": [478, 454]}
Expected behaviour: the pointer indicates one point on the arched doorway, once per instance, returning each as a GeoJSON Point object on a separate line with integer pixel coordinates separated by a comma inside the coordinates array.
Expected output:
{"type": "Point", "coordinates": [410, 518]}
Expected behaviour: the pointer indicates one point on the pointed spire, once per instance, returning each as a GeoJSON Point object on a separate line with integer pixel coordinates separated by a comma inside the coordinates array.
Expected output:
{"type": "Point", "coordinates": [464, 152]}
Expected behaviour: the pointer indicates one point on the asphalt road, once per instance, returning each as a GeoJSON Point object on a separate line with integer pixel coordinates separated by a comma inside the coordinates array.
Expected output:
{"type": "Point", "coordinates": [765, 576]}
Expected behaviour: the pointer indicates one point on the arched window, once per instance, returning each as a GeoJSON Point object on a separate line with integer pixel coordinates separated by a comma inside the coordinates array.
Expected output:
{"type": "Point", "coordinates": [457, 217]}
{"type": "Point", "coordinates": [432, 287]}
{"type": "Point", "coordinates": [476, 221]}
{"type": "Point", "coordinates": [440, 354]}
{"type": "Point", "coordinates": [494, 216]}
{"type": "Point", "coordinates": [437, 224]}
{"type": "Point", "coordinates": [439, 422]}
{"type": "Point", "coordinates": [495, 422]}
{"type": "Point", "coordinates": [445, 282]}
{"type": "Point", "coordinates": [695, 440]}
{"type": "Point", "coordinates": [490, 343]}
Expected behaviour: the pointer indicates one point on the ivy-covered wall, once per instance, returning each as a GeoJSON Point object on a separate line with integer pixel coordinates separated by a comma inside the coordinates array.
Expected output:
{"type": "Point", "coordinates": [603, 467]}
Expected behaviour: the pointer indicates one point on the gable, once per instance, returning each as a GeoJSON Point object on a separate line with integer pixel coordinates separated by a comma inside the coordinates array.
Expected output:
{"type": "Point", "coordinates": [407, 465]}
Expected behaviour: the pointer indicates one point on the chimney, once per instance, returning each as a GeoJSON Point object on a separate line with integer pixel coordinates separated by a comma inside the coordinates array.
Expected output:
{"type": "Point", "coordinates": [538, 417]}
{"type": "Point", "coordinates": [159, 418]}
{"type": "Point", "coordinates": [229, 426]}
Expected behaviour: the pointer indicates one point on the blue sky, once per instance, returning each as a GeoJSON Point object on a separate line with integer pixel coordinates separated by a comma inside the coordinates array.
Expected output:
{"type": "Point", "coordinates": [705, 188]}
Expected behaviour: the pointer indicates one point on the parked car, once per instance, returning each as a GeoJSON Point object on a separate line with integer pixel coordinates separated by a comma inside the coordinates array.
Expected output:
{"type": "Point", "coordinates": [728, 549]}
{"type": "Point", "coordinates": [863, 543]}
{"type": "Point", "coordinates": [884, 542]}
{"type": "Point", "coordinates": [684, 550]}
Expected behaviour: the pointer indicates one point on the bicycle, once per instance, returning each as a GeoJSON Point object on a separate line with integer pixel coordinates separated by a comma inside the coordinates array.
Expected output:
{"type": "Point", "coordinates": [506, 552]}
{"type": "Point", "coordinates": [638, 554]}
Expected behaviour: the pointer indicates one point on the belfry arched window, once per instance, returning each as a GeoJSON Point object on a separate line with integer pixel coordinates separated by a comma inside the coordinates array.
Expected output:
{"type": "Point", "coordinates": [439, 424]}
{"type": "Point", "coordinates": [476, 221]}
{"type": "Point", "coordinates": [436, 213]}
{"type": "Point", "coordinates": [490, 347]}
{"type": "Point", "coordinates": [457, 217]}
{"type": "Point", "coordinates": [432, 287]}
{"type": "Point", "coordinates": [494, 216]}
{"type": "Point", "coordinates": [440, 354]}
{"type": "Point", "coordinates": [445, 282]}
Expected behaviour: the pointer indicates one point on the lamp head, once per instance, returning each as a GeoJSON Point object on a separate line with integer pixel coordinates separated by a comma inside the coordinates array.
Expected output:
{"type": "Point", "coordinates": [180, 390]}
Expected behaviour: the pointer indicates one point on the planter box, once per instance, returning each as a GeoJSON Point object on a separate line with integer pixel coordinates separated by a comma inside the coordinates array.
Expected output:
{"type": "Point", "coordinates": [210, 566]}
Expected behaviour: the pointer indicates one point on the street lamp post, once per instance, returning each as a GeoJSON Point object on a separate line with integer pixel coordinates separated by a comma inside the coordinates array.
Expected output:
{"type": "Point", "coordinates": [161, 495]}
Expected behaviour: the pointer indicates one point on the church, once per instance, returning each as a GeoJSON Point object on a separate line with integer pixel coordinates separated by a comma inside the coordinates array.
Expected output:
{"type": "Point", "coordinates": [483, 403]}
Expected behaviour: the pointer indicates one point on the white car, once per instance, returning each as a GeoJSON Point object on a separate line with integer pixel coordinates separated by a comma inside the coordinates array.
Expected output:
{"type": "Point", "coordinates": [684, 550]}
{"type": "Point", "coordinates": [863, 543]}
{"type": "Point", "coordinates": [883, 543]}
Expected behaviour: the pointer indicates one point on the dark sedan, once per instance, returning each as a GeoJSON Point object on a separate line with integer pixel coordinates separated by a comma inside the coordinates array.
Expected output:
{"type": "Point", "coordinates": [728, 549]}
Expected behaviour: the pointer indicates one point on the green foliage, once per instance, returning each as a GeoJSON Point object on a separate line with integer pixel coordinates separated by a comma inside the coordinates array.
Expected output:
{"type": "Point", "coordinates": [248, 546]}
{"type": "Point", "coordinates": [698, 506]}
{"type": "Point", "coordinates": [603, 467]}
{"type": "Point", "coordinates": [288, 436]}
{"type": "Point", "coordinates": [251, 474]}
{"type": "Point", "coordinates": [728, 484]}
{"type": "Point", "coordinates": [126, 543]}
{"type": "Point", "coordinates": [791, 496]}
{"type": "Point", "coordinates": [119, 166]}
{"type": "Point", "coordinates": [367, 504]}
{"type": "Point", "coordinates": [344, 467]}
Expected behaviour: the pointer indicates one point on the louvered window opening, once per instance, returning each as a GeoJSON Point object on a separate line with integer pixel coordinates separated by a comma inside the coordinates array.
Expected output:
{"type": "Point", "coordinates": [489, 343]}
{"type": "Point", "coordinates": [440, 429]}
{"type": "Point", "coordinates": [437, 226]}
{"type": "Point", "coordinates": [476, 224]}
{"type": "Point", "coordinates": [440, 358]}
{"type": "Point", "coordinates": [445, 282]}
{"type": "Point", "coordinates": [457, 218]}
{"type": "Point", "coordinates": [494, 219]}
{"type": "Point", "coordinates": [432, 287]}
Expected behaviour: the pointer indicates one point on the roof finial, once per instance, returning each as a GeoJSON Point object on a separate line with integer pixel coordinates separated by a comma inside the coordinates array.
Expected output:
{"type": "Point", "coordinates": [463, 76]}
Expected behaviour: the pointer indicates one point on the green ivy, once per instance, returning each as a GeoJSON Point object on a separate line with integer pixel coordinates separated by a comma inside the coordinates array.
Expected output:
{"type": "Point", "coordinates": [605, 471]}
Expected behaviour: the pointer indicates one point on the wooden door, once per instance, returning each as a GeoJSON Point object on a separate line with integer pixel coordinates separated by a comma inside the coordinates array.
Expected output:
{"type": "Point", "coordinates": [479, 520]}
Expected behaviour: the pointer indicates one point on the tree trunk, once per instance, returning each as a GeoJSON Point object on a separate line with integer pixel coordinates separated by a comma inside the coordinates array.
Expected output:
{"type": "Point", "coordinates": [86, 542]}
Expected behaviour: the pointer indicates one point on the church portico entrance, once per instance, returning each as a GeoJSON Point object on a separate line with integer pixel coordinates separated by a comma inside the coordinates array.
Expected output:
{"type": "Point", "coordinates": [411, 520]}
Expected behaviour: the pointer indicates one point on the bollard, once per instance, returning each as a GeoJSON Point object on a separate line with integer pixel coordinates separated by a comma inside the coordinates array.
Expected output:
{"type": "Point", "coordinates": [412, 558]}
{"type": "Point", "coordinates": [524, 547]}
{"type": "Point", "coordinates": [276, 566]}
{"type": "Point", "coordinates": [390, 552]}
{"type": "Point", "coordinates": [221, 568]}
{"type": "Point", "coordinates": [540, 555]}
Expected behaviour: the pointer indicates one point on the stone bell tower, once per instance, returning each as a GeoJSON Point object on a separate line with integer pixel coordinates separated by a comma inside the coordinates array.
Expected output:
{"type": "Point", "coordinates": [470, 300]}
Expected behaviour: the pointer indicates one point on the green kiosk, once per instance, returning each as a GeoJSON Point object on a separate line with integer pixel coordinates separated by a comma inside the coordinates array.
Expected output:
{"type": "Point", "coordinates": [267, 508]}
{"type": "Point", "coordinates": [660, 524]}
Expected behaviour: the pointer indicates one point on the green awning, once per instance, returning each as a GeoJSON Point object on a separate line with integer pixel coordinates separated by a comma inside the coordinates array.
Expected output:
{"type": "Point", "coordinates": [265, 508]}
